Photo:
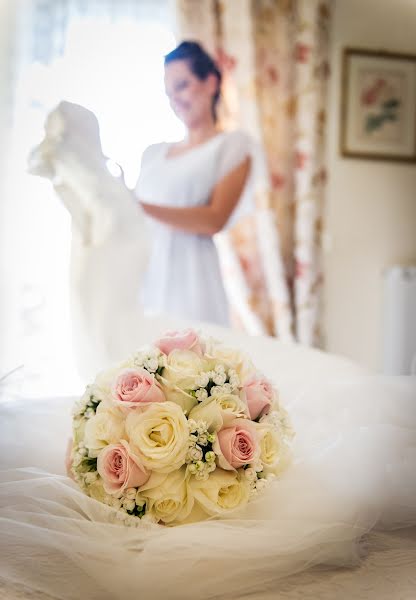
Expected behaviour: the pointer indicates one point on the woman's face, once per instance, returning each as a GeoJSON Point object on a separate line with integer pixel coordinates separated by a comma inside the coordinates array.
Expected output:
{"type": "Point", "coordinates": [189, 96]}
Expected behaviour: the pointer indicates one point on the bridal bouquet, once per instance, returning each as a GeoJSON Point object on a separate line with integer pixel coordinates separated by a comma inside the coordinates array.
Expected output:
{"type": "Point", "coordinates": [181, 431]}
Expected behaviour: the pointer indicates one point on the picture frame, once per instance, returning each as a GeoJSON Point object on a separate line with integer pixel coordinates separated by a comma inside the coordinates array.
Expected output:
{"type": "Point", "coordinates": [378, 105]}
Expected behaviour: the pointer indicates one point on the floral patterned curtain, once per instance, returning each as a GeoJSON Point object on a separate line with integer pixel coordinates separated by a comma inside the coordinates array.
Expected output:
{"type": "Point", "coordinates": [275, 58]}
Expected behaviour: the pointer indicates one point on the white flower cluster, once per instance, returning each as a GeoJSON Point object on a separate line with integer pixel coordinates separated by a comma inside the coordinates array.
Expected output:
{"type": "Point", "coordinates": [200, 458]}
{"type": "Point", "coordinates": [222, 380]}
{"type": "Point", "coordinates": [79, 453]}
{"type": "Point", "coordinates": [150, 359]}
{"type": "Point", "coordinates": [131, 501]}
{"type": "Point", "coordinates": [259, 483]}
{"type": "Point", "coordinates": [87, 405]}
{"type": "Point", "coordinates": [127, 508]}
{"type": "Point", "coordinates": [279, 421]}
{"type": "Point", "coordinates": [82, 465]}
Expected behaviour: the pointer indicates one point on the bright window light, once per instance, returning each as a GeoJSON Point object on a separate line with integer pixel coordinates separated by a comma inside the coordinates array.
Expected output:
{"type": "Point", "coordinates": [115, 70]}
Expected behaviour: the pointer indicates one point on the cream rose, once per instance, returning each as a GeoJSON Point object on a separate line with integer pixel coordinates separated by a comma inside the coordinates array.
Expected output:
{"type": "Point", "coordinates": [97, 491]}
{"type": "Point", "coordinates": [270, 446]}
{"type": "Point", "coordinates": [69, 459]}
{"type": "Point", "coordinates": [208, 411]}
{"type": "Point", "coordinates": [180, 397]}
{"type": "Point", "coordinates": [222, 492]}
{"type": "Point", "coordinates": [182, 369]}
{"type": "Point", "coordinates": [232, 358]}
{"type": "Point", "coordinates": [168, 497]}
{"type": "Point", "coordinates": [218, 411]}
{"type": "Point", "coordinates": [101, 388]}
{"type": "Point", "coordinates": [104, 428]}
{"type": "Point", "coordinates": [283, 460]}
{"type": "Point", "coordinates": [158, 435]}
{"type": "Point", "coordinates": [231, 407]}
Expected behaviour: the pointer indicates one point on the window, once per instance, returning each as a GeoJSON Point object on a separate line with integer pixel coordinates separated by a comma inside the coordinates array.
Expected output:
{"type": "Point", "coordinates": [114, 67]}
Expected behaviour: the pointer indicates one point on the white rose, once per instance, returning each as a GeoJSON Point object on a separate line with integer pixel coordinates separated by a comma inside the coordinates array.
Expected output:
{"type": "Point", "coordinates": [179, 397]}
{"type": "Point", "coordinates": [283, 460]}
{"type": "Point", "coordinates": [104, 428]}
{"type": "Point", "coordinates": [270, 445]}
{"type": "Point", "coordinates": [217, 411]}
{"type": "Point", "coordinates": [180, 374]}
{"type": "Point", "coordinates": [182, 370]}
{"type": "Point", "coordinates": [168, 497]}
{"type": "Point", "coordinates": [232, 358]}
{"type": "Point", "coordinates": [97, 491]}
{"type": "Point", "coordinates": [210, 412]}
{"type": "Point", "coordinates": [231, 406]}
{"type": "Point", "coordinates": [158, 436]}
{"type": "Point", "coordinates": [101, 387]}
{"type": "Point", "coordinates": [222, 492]}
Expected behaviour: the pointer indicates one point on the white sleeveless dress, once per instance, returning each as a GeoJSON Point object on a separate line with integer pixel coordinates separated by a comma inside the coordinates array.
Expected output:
{"type": "Point", "coordinates": [183, 278]}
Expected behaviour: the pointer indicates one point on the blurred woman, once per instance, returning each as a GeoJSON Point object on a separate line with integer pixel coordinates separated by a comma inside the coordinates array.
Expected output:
{"type": "Point", "coordinates": [192, 190]}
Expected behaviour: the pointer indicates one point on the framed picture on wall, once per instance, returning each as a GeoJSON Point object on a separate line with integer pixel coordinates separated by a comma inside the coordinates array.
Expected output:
{"type": "Point", "coordinates": [378, 115]}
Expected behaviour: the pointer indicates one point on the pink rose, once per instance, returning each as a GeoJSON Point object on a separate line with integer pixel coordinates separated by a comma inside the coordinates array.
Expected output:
{"type": "Point", "coordinates": [237, 445]}
{"type": "Point", "coordinates": [180, 340]}
{"type": "Point", "coordinates": [136, 387]}
{"type": "Point", "coordinates": [259, 396]}
{"type": "Point", "coordinates": [119, 470]}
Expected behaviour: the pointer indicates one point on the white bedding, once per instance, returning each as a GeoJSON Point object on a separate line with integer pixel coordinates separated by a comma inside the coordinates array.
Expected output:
{"type": "Point", "coordinates": [387, 570]}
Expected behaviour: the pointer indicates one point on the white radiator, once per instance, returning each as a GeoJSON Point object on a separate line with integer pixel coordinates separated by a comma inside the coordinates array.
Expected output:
{"type": "Point", "coordinates": [399, 321]}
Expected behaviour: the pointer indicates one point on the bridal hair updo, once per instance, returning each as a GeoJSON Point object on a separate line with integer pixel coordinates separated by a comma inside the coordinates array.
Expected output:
{"type": "Point", "coordinates": [201, 65]}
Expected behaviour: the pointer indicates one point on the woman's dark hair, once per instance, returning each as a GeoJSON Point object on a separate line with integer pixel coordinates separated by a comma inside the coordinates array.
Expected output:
{"type": "Point", "coordinates": [201, 65]}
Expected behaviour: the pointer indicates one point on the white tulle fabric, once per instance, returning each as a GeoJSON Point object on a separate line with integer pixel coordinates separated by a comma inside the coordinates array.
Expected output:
{"type": "Point", "coordinates": [353, 470]}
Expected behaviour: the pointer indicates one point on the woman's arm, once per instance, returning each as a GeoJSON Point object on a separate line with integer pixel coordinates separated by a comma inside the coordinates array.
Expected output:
{"type": "Point", "coordinates": [211, 218]}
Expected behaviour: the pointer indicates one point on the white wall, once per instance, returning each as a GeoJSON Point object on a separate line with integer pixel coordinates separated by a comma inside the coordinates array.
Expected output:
{"type": "Point", "coordinates": [371, 205]}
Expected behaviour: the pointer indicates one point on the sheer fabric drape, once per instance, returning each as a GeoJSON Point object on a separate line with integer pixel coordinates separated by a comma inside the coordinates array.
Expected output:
{"type": "Point", "coordinates": [274, 56]}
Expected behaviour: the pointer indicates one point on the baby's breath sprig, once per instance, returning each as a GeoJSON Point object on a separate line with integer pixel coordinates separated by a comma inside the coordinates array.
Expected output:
{"type": "Point", "coordinates": [200, 457]}
{"type": "Point", "coordinates": [130, 503]}
{"type": "Point", "coordinates": [151, 359]}
{"type": "Point", "coordinates": [84, 467]}
{"type": "Point", "coordinates": [258, 481]}
{"type": "Point", "coordinates": [216, 382]}
{"type": "Point", "coordinates": [87, 404]}
{"type": "Point", "coordinates": [133, 503]}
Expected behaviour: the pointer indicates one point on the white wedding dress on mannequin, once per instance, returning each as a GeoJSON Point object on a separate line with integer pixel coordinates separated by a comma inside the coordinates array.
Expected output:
{"type": "Point", "coordinates": [352, 470]}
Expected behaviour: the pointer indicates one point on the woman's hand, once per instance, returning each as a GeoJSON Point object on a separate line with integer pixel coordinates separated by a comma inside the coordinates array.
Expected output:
{"type": "Point", "coordinates": [211, 218]}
